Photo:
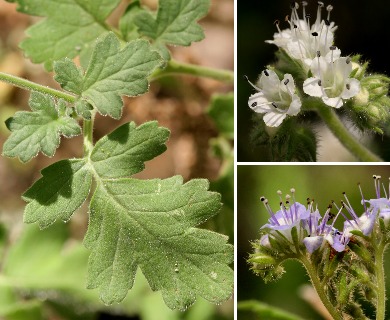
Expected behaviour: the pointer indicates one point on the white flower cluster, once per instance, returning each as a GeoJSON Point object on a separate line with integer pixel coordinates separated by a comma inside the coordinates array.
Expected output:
{"type": "Point", "coordinates": [312, 45]}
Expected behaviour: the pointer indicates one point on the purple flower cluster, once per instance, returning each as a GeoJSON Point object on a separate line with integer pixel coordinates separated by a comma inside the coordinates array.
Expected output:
{"type": "Point", "coordinates": [314, 230]}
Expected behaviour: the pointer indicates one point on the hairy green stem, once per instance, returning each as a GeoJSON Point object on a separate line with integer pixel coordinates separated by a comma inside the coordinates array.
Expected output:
{"type": "Point", "coordinates": [32, 86]}
{"type": "Point", "coordinates": [381, 284]}
{"type": "Point", "coordinates": [319, 288]}
{"type": "Point", "coordinates": [175, 67]}
{"type": "Point", "coordinates": [337, 127]}
{"type": "Point", "coordinates": [88, 135]}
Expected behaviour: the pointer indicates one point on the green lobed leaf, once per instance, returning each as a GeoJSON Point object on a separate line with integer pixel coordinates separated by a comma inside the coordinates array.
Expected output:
{"type": "Point", "coordinates": [175, 22]}
{"type": "Point", "coordinates": [149, 224]}
{"type": "Point", "coordinates": [40, 129]}
{"type": "Point", "coordinates": [61, 190]}
{"type": "Point", "coordinates": [113, 71]}
{"type": "Point", "coordinates": [123, 152]}
{"type": "Point", "coordinates": [221, 110]}
{"type": "Point", "coordinates": [127, 24]}
{"type": "Point", "coordinates": [70, 28]}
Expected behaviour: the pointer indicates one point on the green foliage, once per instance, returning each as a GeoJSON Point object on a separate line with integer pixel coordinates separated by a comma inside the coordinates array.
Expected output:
{"type": "Point", "coordinates": [149, 224]}
{"type": "Point", "coordinates": [40, 129]}
{"type": "Point", "coordinates": [174, 23]}
{"type": "Point", "coordinates": [112, 72]}
{"type": "Point", "coordinates": [264, 311]}
{"type": "Point", "coordinates": [221, 110]}
{"type": "Point", "coordinates": [63, 188]}
{"type": "Point", "coordinates": [70, 27]}
{"type": "Point", "coordinates": [123, 152]}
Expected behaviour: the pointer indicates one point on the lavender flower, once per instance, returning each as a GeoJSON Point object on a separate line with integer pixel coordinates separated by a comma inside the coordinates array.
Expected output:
{"type": "Point", "coordinates": [287, 217]}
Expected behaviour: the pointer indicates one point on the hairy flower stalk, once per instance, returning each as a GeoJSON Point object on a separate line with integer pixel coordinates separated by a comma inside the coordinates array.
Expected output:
{"type": "Point", "coordinates": [301, 232]}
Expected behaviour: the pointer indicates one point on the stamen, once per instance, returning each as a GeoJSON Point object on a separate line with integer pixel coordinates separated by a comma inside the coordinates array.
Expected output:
{"type": "Point", "coordinates": [269, 210]}
{"type": "Point", "coordinates": [266, 73]}
{"type": "Point", "coordinates": [274, 105]}
{"type": "Point", "coordinates": [329, 8]}
{"type": "Point", "coordinates": [314, 34]}
{"type": "Point", "coordinates": [286, 82]}
{"type": "Point", "coordinates": [348, 60]}
{"type": "Point", "coordinates": [276, 23]}
{"type": "Point", "coordinates": [318, 53]}
{"type": "Point", "coordinates": [361, 194]}
{"type": "Point", "coordinates": [348, 86]}
{"type": "Point", "coordinates": [257, 88]}
{"type": "Point", "coordinates": [354, 215]}
{"type": "Point", "coordinates": [320, 83]}
{"type": "Point", "coordinates": [254, 104]}
{"type": "Point", "coordinates": [327, 23]}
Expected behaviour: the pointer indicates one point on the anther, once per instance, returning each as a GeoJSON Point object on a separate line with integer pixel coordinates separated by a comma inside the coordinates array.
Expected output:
{"type": "Point", "coordinates": [332, 48]}
{"type": "Point", "coordinates": [320, 83]}
{"type": "Point", "coordinates": [327, 23]}
{"type": "Point", "coordinates": [274, 105]}
{"type": "Point", "coordinates": [348, 86]}
{"type": "Point", "coordinates": [246, 78]}
{"type": "Point", "coordinates": [348, 60]}
{"type": "Point", "coordinates": [329, 8]}
{"type": "Point", "coordinates": [307, 16]}
{"type": "Point", "coordinates": [315, 34]}
{"type": "Point", "coordinates": [304, 3]}
{"type": "Point", "coordinates": [254, 104]}
{"type": "Point", "coordinates": [294, 5]}
{"type": "Point", "coordinates": [318, 53]}
{"type": "Point", "coordinates": [292, 190]}
{"type": "Point", "coordinates": [295, 26]}
{"type": "Point", "coordinates": [287, 18]}
{"type": "Point", "coordinates": [266, 73]}
{"type": "Point", "coordinates": [279, 192]}
{"type": "Point", "coordinates": [276, 22]}
{"type": "Point", "coordinates": [262, 199]}
{"type": "Point", "coordinates": [287, 81]}
{"type": "Point", "coordinates": [374, 176]}
{"type": "Point", "coordinates": [320, 4]}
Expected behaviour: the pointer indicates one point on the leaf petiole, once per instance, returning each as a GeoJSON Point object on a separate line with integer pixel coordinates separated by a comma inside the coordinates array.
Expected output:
{"type": "Point", "coordinates": [32, 86]}
{"type": "Point", "coordinates": [175, 67]}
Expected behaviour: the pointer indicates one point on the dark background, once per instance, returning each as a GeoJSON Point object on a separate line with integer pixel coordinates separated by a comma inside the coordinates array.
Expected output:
{"type": "Point", "coordinates": [362, 28]}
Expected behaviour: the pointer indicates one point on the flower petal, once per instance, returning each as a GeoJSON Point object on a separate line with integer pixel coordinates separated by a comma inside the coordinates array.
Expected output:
{"type": "Point", "coordinates": [313, 243]}
{"type": "Point", "coordinates": [295, 106]}
{"type": "Point", "coordinates": [274, 119]}
{"type": "Point", "coordinates": [333, 102]}
{"type": "Point", "coordinates": [354, 88]}
{"type": "Point", "coordinates": [312, 88]}
{"type": "Point", "coordinates": [259, 103]}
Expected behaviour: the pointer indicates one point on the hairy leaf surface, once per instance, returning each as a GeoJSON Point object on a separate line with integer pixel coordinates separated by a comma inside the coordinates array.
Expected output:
{"type": "Point", "coordinates": [113, 71]}
{"type": "Point", "coordinates": [175, 22]}
{"type": "Point", "coordinates": [123, 152]}
{"type": "Point", "coordinates": [40, 129]}
{"type": "Point", "coordinates": [70, 27]}
{"type": "Point", "coordinates": [149, 224]}
{"type": "Point", "coordinates": [61, 190]}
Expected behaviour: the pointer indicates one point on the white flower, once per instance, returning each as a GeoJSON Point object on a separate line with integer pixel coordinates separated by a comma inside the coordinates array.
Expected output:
{"type": "Point", "coordinates": [302, 41]}
{"type": "Point", "coordinates": [331, 81]}
{"type": "Point", "coordinates": [275, 98]}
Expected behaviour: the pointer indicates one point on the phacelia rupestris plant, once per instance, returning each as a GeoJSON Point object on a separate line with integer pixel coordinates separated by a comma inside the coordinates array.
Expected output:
{"type": "Point", "coordinates": [345, 266]}
{"type": "Point", "coordinates": [133, 223]}
{"type": "Point", "coordinates": [312, 74]}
